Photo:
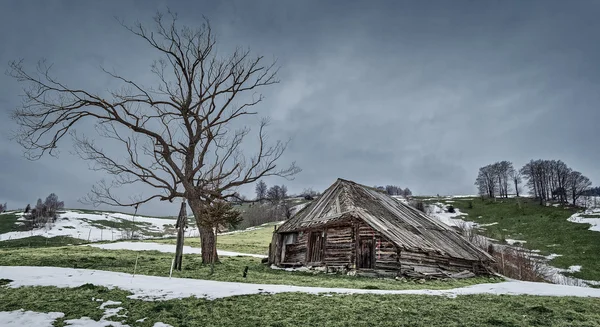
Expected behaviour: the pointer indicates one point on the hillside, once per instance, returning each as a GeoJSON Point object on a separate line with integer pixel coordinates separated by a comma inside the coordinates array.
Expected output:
{"type": "Point", "coordinates": [87, 226]}
{"type": "Point", "coordinates": [568, 237]}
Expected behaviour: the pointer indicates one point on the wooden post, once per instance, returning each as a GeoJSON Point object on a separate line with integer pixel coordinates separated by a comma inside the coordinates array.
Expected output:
{"type": "Point", "coordinates": [172, 264]}
{"type": "Point", "coordinates": [135, 267]}
{"type": "Point", "coordinates": [181, 225]}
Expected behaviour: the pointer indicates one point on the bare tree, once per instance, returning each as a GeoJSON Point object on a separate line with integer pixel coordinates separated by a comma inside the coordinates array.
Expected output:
{"type": "Point", "coordinates": [277, 193]}
{"type": "Point", "coordinates": [3, 207]}
{"type": "Point", "coordinates": [515, 176]}
{"type": "Point", "coordinates": [308, 193]}
{"type": "Point", "coordinates": [577, 184]}
{"type": "Point", "coordinates": [261, 190]}
{"type": "Point", "coordinates": [178, 136]}
{"type": "Point", "coordinates": [487, 181]}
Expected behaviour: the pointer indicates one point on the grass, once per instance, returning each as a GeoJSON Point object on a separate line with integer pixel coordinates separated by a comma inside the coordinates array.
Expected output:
{"type": "Point", "coordinates": [297, 309]}
{"type": "Point", "coordinates": [230, 269]}
{"type": "Point", "coordinates": [545, 228]}
{"type": "Point", "coordinates": [40, 241]}
{"type": "Point", "coordinates": [253, 241]}
{"type": "Point", "coordinates": [8, 223]}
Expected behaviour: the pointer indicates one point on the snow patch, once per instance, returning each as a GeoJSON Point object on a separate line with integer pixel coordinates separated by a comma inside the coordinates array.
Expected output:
{"type": "Point", "coordinates": [19, 318]}
{"type": "Point", "coordinates": [97, 227]}
{"type": "Point", "coordinates": [513, 242]}
{"type": "Point", "coordinates": [552, 256]}
{"type": "Point", "coordinates": [164, 288]}
{"type": "Point", "coordinates": [165, 248]}
{"type": "Point", "coordinates": [438, 210]}
{"type": "Point", "coordinates": [594, 222]}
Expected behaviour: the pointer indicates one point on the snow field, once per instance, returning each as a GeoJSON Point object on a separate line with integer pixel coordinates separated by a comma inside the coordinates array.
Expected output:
{"type": "Point", "coordinates": [151, 288]}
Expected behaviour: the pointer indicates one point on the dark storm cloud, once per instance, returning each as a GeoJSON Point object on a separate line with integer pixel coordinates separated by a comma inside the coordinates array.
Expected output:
{"type": "Point", "coordinates": [418, 94]}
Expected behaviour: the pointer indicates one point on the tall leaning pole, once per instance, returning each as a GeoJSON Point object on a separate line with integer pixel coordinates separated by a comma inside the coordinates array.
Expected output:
{"type": "Point", "coordinates": [181, 226]}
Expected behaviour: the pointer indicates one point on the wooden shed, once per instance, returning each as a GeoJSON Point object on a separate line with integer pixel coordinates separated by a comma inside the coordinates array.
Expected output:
{"type": "Point", "coordinates": [353, 227]}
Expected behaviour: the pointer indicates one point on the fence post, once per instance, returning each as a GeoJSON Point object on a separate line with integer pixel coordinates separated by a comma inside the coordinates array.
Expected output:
{"type": "Point", "coordinates": [135, 267]}
{"type": "Point", "coordinates": [172, 264]}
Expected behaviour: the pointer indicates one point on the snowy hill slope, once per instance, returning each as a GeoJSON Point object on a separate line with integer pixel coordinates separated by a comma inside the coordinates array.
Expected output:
{"type": "Point", "coordinates": [100, 226]}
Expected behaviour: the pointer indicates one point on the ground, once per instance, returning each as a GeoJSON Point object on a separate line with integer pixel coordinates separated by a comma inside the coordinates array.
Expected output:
{"type": "Point", "coordinates": [543, 228]}
{"type": "Point", "coordinates": [293, 309]}
{"type": "Point", "coordinates": [297, 309]}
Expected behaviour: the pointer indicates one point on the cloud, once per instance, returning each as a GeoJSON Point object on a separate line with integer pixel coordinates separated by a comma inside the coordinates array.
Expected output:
{"type": "Point", "coordinates": [418, 94]}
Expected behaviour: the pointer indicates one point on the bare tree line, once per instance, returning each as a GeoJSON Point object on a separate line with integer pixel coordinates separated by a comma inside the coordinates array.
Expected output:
{"type": "Point", "coordinates": [546, 180]}
{"type": "Point", "coordinates": [394, 190]}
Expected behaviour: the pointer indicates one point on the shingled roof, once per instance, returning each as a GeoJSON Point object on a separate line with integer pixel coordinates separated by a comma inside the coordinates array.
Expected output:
{"type": "Point", "coordinates": [407, 227]}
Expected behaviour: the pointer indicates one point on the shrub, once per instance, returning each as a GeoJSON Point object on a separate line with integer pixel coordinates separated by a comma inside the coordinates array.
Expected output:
{"type": "Point", "coordinates": [451, 209]}
{"type": "Point", "coordinates": [44, 212]}
{"type": "Point", "coordinates": [420, 205]}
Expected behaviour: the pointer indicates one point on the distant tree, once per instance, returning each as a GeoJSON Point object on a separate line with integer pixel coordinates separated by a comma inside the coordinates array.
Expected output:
{"type": "Point", "coordinates": [276, 193]}
{"type": "Point", "coordinates": [308, 194]}
{"type": "Point", "coordinates": [44, 212]}
{"type": "Point", "coordinates": [487, 181]}
{"type": "Point", "coordinates": [547, 179]}
{"type": "Point", "coordinates": [407, 192]}
{"type": "Point", "coordinates": [577, 184]}
{"type": "Point", "coordinates": [53, 205]}
{"type": "Point", "coordinates": [284, 192]}
{"type": "Point", "coordinates": [3, 208]}
{"type": "Point", "coordinates": [261, 190]}
{"type": "Point", "coordinates": [393, 190]}
{"type": "Point", "coordinates": [27, 208]}
{"type": "Point", "coordinates": [592, 191]}
{"type": "Point", "coordinates": [515, 176]}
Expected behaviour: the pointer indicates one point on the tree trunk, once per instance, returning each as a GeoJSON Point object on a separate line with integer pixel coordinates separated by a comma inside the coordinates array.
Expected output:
{"type": "Point", "coordinates": [208, 241]}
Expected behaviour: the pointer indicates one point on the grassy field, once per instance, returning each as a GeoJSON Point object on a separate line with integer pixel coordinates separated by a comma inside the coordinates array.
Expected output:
{"type": "Point", "coordinates": [545, 228]}
{"type": "Point", "coordinates": [40, 242]}
{"type": "Point", "coordinates": [8, 223]}
{"type": "Point", "coordinates": [253, 241]}
{"type": "Point", "coordinates": [296, 309]}
{"type": "Point", "coordinates": [155, 263]}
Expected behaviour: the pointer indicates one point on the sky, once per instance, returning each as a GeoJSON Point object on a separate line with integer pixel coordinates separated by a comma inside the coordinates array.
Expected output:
{"type": "Point", "coordinates": [418, 94]}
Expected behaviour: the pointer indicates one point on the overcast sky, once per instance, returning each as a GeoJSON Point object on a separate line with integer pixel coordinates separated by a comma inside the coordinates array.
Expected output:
{"type": "Point", "coordinates": [412, 93]}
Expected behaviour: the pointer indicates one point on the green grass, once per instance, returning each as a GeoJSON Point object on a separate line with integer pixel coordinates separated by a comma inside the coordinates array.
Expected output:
{"type": "Point", "coordinates": [230, 269]}
{"type": "Point", "coordinates": [544, 228]}
{"type": "Point", "coordinates": [40, 241]}
{"type": "Point", "coordinates": [254, 241]}
{"type": "Point", "coordinates": [297, 309]}
{"type": "Point", "coordinates": [8, 223]}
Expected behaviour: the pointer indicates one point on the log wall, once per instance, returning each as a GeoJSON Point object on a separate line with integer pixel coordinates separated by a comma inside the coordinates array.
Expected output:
{"type": "Point", "coordinates": [341, 245]}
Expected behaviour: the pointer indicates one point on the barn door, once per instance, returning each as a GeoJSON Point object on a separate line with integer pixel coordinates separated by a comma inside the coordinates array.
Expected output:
{"type": "Point", "coordinates": [316, 245]}
{"type": "Point", "coordinates": [366, 255]}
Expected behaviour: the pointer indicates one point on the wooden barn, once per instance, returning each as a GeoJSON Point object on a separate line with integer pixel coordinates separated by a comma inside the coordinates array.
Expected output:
{"type": "Point", "coordinates": [356, 228]}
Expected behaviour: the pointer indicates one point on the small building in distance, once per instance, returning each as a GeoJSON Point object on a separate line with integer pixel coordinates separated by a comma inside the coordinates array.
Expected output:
{"type": "Point", "coordinates": [353, 227]}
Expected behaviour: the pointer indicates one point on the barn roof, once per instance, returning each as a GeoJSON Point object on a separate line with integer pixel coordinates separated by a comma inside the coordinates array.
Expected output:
{"type": "Point", "coordinates": [407, 227]}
